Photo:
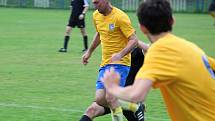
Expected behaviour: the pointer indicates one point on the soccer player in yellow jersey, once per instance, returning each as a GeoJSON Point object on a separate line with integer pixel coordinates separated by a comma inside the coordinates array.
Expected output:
{"type": "Point", "coordinates": [117, 38]}
{"type": "Point", "coordinates": [181, 70]}
{"type": "Point", "coordinates": [137, 58]}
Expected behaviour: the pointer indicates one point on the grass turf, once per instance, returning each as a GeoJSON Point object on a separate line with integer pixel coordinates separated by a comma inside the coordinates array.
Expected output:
{"type": "Point", "coordinates": [37, 83]}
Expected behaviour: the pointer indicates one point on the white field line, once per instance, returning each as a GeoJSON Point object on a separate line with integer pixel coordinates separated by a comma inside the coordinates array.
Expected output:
{"type": "Point", "coordinates": [13, 105]}
{"type": "Point", "coordinates": [40, 108]}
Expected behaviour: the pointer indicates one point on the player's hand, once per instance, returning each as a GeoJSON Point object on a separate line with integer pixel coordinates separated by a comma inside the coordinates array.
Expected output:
{"type": "Point", "coordinates": [81, 17]}
{"type": "Point", "coordinates": [85, 57]}
{"type": "Point", "coordinates": [111, 79]}
{"type": "Point", "coordinates": [115, 57]}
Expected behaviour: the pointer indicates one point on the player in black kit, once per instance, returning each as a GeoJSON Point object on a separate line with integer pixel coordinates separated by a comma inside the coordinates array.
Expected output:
{"type": "Point", "coordinates": [77, 18]}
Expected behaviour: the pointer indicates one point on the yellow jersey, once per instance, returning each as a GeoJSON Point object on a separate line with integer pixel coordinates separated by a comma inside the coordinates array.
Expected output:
{"type": "Point", "coordinates": [182, 72]}
{"type": "Point", "coordinates": [114, 30]}
{"type": "Point", "coordinates": [212, 62]}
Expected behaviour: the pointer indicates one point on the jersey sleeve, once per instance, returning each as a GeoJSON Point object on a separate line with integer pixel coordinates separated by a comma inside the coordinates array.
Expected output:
{"type": "Point", "coordinates": [125, 26]}
{"type": "Point", "coordinates": [159, 66]}
{"type": "Point", "coordinates": [212, 63]}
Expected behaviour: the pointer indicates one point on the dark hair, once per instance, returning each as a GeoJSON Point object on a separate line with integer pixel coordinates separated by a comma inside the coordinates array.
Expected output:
{"type": "Point", "coordinates": [155, 15]}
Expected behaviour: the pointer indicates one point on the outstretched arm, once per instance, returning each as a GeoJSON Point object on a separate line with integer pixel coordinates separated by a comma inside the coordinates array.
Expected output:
{"type": "Point", "coordinates": [134, 93]}
{"type": "Point", "coordinates": [93, 46]}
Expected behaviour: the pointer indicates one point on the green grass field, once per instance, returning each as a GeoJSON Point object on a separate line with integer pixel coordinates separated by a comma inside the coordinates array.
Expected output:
{"type": "Point", "coordinates": [37, 83]}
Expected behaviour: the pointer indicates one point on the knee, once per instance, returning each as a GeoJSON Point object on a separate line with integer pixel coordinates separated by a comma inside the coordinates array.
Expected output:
{"type": "Point", "coordinates": [100, 101]}
{"type": "Point", "coordinates": [68, 30]}
{"type": "Point", "coordinates": [94, 110]}
{"type": "Point", "coordinates": [91, 111]}
{"type": "Point", "coordinates": [83, 32]}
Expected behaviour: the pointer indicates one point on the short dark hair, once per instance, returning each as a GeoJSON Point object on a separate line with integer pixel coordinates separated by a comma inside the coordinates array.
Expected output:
{"type": "Point", "coordinates": [155, 15]}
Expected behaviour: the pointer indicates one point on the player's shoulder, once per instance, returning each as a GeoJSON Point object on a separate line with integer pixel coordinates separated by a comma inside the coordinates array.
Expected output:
{"type": "Point", "coordinates": [121, 15]}
{"type": "Point", "coordinates": [119, 12]}
{"type": "Point", "coordinates": [96, 13]}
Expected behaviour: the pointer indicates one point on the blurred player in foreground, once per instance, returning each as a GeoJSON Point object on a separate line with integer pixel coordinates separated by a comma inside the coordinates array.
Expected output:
{"type": "Point", "coordinates": [180, 69]}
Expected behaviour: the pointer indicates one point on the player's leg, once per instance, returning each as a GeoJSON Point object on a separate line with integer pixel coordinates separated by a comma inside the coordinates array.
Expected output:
{"type": "Point", "coordinates": [106, 100]}
{"type": "Point", "coordinates": [85, 38]}
{"type": "Point", "coordinates": [84, 34]}
{"type": "Point", "coordinates": [116, 110]}
{"type": "Point", "coordinates": [113, 101]}
{"type": "Point", "coordinates": [134, 112]}
{"type": "Point", "coordinates": [100, 89]}
{"type": "Point", "coordinates": [137, 58]}
{"type": "Point", "coordinates": [102, 100]}
{"type": "Point", "coordinates": [66, 39]}
{"type": "Point", "coordinates": [71, 24]}
{"type": "Point", "coordinates": [93, 111]}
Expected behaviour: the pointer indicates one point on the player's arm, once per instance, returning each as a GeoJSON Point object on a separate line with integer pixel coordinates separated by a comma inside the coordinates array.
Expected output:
{"type": "Point", "coordinates": [134, 93]}
{"type": "Point", "coordinates": [129, 32]}
{"type": "Point", "coordinates": [96, 42]}
{"type": "Point", "coordinates": [86, 7]}
{"type": "Point", "coordinates": [143, 46]}
{"type": "Point", "coordinates": [132, 42]}
{"type": "Point", "coordinates": [93, 46]}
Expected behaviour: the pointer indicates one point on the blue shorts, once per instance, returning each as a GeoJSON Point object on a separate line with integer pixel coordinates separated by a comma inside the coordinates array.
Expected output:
{"type": "Point", "coordinates": [121, 69]}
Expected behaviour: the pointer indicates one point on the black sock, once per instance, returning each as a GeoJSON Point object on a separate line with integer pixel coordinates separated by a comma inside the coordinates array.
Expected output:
{"type": "Point", "coordinates": [66, 40]}
{"type": "Point", "coordinates": [85, 42]}
{"type": "Point", "coordinates": [129, 115]}
{"type": "Point", "coordinates": [85, 118]}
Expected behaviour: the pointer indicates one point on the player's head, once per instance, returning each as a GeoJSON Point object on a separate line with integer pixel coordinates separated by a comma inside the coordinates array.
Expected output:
{"type": "Point", "coordinates": [101, 5]}
{"type": "Point", "coordinates": [155, 16]}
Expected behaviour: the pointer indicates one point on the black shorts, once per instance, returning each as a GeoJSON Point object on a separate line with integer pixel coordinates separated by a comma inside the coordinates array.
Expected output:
{"type": "Point", "coordinates": [74, 21]}
{"type": "Point", "coordinates": [137, 59]}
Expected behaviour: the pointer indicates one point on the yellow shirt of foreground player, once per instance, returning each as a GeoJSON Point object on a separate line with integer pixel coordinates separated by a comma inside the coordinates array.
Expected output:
{"type": "Point", "coordinates": [181, 70]}
{"type": "Point", "coordinates": [114, 30]}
